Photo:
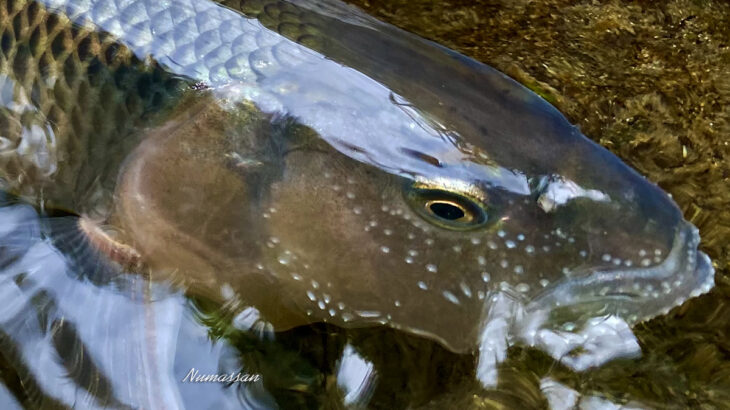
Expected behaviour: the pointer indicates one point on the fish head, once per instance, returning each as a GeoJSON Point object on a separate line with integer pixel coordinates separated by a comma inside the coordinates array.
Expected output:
{"type": "Point", "coordinates": [426, 253]}
{"type": "Point", "coordinates": [560, 224]}
{"type": "Point", "coordinates": [307, 233]}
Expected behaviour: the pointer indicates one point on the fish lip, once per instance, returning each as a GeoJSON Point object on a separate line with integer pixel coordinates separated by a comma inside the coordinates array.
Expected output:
{"type": "Point", "coordinates": [636, 294]}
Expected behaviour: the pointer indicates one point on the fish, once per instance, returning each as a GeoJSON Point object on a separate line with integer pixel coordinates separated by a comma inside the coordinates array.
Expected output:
{"type": "Point", "coordinates": [319, 165]}
{"type": "Point", "coordinates": [71, 99]}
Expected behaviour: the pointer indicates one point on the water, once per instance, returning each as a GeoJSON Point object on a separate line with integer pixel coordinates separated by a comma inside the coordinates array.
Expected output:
{"type": "Point", "coordinates": [131, 361]}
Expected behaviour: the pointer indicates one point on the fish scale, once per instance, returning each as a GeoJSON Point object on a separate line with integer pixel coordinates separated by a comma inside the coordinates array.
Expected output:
{"type": "Point", "coordinates": [265, 64]}
{"type": "Point", "coordinates": [87, 93]}
{"type": "Point", "coordinates": [343, 105]}
{"type": "Point", "coordinates": [325, 167]}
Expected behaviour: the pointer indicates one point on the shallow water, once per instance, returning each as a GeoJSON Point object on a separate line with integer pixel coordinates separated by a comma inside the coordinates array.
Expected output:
{"type": "Point", "coordinates": [653, 113]}
{"type": "Point", "coordinates": [648, 80]}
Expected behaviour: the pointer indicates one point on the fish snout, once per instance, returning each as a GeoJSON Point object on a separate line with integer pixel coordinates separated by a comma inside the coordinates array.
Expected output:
{"type": "Point", "coordinates": [634, 292]}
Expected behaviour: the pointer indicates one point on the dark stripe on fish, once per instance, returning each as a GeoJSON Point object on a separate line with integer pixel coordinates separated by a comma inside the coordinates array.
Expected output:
{"type": "Point", "coordinates": [82, 88]}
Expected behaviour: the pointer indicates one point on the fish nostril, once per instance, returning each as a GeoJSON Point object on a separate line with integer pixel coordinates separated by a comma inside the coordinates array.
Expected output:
{"type": "Point", "coordinates": [447, 210]}
{"type": "Point", "coordinates": [423, 157]}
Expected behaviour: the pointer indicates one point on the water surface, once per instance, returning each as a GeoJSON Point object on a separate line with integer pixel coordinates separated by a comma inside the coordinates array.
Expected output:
{"type": "Point", "coordinates": [549, 47]}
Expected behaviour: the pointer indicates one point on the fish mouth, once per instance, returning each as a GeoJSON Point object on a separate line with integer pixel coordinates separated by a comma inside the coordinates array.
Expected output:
{"type": "Point", "coordinates": [634, 294]}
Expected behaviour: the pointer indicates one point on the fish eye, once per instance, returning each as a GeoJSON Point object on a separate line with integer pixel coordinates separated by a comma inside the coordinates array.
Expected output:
{"type": "Point", "coordinates": [447, 209]}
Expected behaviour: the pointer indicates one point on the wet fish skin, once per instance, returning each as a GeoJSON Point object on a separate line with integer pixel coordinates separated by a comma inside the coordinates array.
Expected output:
{"type": "Point", "coordinates": [602, 225]}
{"type": "Point", "coordinates": [251, 239]}
{"type": "Point", "coordinates": [566, 221]}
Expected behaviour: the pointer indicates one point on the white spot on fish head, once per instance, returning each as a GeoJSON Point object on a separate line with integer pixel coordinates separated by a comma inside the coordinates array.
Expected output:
{"type": "Point", "coordinates": [451, 297]}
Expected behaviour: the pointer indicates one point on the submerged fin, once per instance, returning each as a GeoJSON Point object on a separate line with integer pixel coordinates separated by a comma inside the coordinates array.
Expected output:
{"type": "Point", "coordinates": [126, 256]}
{"type": "Point", "coordinates": [94, 255]}
{"type": "Point", "coordinates": [109, 348]}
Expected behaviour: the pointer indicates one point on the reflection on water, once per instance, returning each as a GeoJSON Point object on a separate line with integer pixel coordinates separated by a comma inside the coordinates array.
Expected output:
{"type": "Point", "coordinates": [69, 342]}
{"type": "Point", "coordinates": [297, 194]}
{"type": "Point", "coordinates": [91, 345]}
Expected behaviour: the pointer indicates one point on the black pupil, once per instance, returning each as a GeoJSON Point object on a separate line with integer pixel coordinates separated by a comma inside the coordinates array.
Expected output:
{"type": "Point", "coordinates": [447, 211]}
